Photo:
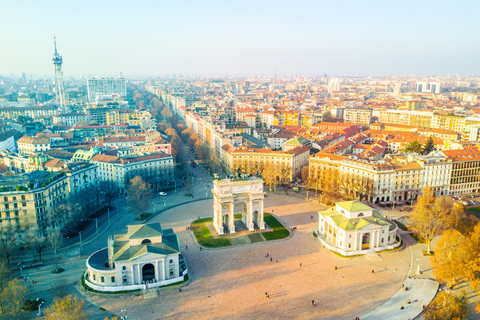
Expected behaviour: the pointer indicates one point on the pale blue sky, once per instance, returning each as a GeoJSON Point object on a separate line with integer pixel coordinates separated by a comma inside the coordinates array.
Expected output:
{"type": "Point", "coordinates": [241, 37]}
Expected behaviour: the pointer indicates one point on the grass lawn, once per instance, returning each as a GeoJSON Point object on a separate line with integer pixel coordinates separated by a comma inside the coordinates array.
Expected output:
{"type": "Point", "coordinates": [279, 231]}
{"type": "Point", "coordinates": [256, 237]}
{"type": "Point", "coordinates": [204, 236]}
{"type": "Point", "coordinates": [404, 228]}
{"type": "Point", "coordinates": [143, 216]}
{"type": "Point", "coordinates": [474, 211]}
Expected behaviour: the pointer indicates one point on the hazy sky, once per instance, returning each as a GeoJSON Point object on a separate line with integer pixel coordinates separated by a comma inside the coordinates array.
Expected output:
{"type": "Point", "coordinates": [241, 37]}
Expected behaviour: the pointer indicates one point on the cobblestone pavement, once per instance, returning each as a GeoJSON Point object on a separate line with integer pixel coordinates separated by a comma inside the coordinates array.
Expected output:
{"type": "Point", "coordinates": [231, 283]}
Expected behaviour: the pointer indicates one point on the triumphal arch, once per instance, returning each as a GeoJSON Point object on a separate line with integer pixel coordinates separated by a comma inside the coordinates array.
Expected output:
{"type": "Point", "coordinates": [242, 189]}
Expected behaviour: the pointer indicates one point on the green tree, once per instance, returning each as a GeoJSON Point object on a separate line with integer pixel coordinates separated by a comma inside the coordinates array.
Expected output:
{"type": "Point", "coordinates": [413, 146]}
{"type": "Point", "coordinates": [447, 305]}
{"type": "Point", "coordinates": [429, 146]}
{"type": "Point", "coordinates": [68, 308]}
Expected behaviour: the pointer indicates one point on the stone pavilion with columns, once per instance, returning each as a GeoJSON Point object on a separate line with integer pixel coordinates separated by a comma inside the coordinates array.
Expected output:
{"type": "Point", "coordinates": [353, 228]}
{"type": "Point", "coordinates": [145, 257]}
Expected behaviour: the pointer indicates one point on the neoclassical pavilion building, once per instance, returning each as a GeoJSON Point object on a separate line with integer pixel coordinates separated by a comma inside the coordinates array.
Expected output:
{"type": "Point", "coordinates": [352, 228]}
{"type": "Point", "coordinates": [145, 257]}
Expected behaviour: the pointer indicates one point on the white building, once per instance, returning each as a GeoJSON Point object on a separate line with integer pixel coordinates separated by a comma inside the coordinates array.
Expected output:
{"type": "Point", "coordinates": [352, 228]}
{"type": "Point", "coordinates": [106, 88]}
{"type": "Point", "coordinates": [333, 85]}
{"type": "Point", "coordinates": [69, 119]}
{"type": "Point", "coordinates": [428, 87]}
{"type": "Point", "coordinates": [155, 168]}
{"type": "Point", "coordinates": [145, 257]}
{"type": "Point", "coordinates": [33, 145]}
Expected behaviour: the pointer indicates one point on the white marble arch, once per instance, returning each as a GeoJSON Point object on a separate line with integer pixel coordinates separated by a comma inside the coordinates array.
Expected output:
{"type": "Point", "coordinates": [227, 193]}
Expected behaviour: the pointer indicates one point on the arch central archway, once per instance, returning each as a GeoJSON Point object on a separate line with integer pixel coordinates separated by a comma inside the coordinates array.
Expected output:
{"type": "Point", "coordinates": [148, 272]}
{"type": "Point", "coordinates": [366, 241]}
{"type": "Point", "coordinates": [227, 193]}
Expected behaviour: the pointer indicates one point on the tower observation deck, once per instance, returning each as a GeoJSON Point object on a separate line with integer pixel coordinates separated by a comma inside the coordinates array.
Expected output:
{"type": "Point", "coordinates": [59, 92]}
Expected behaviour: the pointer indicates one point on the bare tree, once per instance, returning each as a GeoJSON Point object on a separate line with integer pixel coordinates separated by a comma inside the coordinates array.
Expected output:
{"type": "Point", "coordinates": [55, 241]}
{"type": "Point", "coordinates": [39, 243]}
{"type": "Point", "coordinates": [139, 193]}
{"type": "Point", "coordinates": [8, 240]}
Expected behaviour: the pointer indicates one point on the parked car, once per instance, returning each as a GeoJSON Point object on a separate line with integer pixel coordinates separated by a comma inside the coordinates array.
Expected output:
{"type": "Point", "coordinates": [162, 193]}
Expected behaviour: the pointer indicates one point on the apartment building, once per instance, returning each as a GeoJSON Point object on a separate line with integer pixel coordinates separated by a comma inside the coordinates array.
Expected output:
{"type": "Point", "coordinates": [121, 141]}
{"type": "Point", "coordinates": [251, 160]}
{"type": "Point", "coordinates": [448, 122]}
{"type": "Point", "coordinates": [359, 115]}
{"type": "Point", "coordinates": [29, 199]}
{"type": "Point", "coordinates": [465, 176]}
{"type": "Point", "coordinates": [33, 145]}
{"type": "Point", "coordinates": [155, 168]}
{"type": "Point", "coordinates": [69, 119]}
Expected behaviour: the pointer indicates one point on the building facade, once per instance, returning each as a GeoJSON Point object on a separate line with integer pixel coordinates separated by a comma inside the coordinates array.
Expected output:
{"type": "Point", "coordinates": [145, 257]}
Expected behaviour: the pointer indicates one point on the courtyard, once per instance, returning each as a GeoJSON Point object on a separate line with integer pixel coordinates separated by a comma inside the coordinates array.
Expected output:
{"type": "Point", "coordinates": [231, 282]}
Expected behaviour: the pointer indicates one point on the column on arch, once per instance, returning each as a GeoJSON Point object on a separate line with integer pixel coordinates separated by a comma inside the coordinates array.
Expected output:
{"type": "Point", "coordinates": [250, 224]}
{"type": "Point", "coordinates": [231, 218]}
{"type": "Point", "coordinates": [261, 222]}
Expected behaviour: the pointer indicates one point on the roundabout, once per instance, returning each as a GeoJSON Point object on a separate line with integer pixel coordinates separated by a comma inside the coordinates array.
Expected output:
{"type": "Point", "coordinates": [231, 282]}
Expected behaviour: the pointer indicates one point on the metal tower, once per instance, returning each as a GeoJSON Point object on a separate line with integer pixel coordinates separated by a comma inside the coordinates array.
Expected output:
{"type": "Point", "coordinates": [57, 62]}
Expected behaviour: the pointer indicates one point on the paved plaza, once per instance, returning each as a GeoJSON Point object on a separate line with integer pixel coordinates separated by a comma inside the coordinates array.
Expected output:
{"type": "Point", "coordinates": [230, 283]}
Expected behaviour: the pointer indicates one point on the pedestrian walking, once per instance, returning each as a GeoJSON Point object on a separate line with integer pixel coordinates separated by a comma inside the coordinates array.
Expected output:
{"type": "Point", "coordinates": [271, 259]}
{"type": "Point", "coordinates": [300, 264]}
{"type": "Point", "coordinates": [335, 267]}
{"type": "Point", "coordinates": [266, 294]}
{"type": "Point", "coordinates": [267, 255]}
{"type": "Point", "coordinates": [313, 303]}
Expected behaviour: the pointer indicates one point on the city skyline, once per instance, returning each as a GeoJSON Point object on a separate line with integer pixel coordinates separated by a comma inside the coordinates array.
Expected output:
{"type": "Point", "coordinates": [310, 38]}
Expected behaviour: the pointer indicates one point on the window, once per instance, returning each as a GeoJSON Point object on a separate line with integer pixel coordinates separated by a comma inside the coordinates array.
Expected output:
{"type": "Point", "coordinates": [94, 278]}
{"type": "Point", "coordinates": [113, 279]}
{"type": "Point", "coordinates": [349, 245]}
{"type": "Point", "coordinates": [124, 268]}
{"type": "Point", "coordinates": [382, 240]}
{"type": "Point", "coordinates": [350, 236]}
{"type": "Point", "coordinates": [102, 279]}
{"type": "Point", "coordinates": [171, 260]}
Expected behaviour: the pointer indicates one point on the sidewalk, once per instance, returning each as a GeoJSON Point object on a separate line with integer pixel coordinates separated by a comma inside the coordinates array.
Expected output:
{"type": "Point", "coordinates": [421, 288]}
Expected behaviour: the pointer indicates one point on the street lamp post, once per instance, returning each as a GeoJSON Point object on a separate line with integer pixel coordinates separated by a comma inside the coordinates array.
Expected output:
{"type": "Point", "coordinates": [81, 243]}
{"type": "Point", "coordinates": [96, 224]}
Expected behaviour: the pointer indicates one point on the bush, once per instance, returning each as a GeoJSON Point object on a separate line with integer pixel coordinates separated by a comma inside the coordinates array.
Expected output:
{"type": "Point", "coordinates": [315, 234]}
{"type": "Point", "coordinates": [57, 271]}
{"type": "Point", "coordinates": [32, 305]}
